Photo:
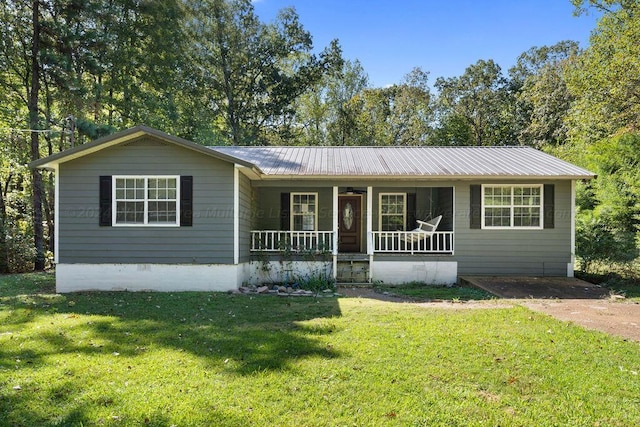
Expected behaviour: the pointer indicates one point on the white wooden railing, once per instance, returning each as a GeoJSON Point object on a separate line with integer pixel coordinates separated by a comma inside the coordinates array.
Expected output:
{"type": "Point", "coordinates": [404, 242]}
{"type": "Point", "coordinates": [294, 241]}
{"type": "Point", "coordinates": [441, 242]}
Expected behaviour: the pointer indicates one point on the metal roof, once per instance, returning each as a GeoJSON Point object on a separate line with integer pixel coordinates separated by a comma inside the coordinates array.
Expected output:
{"type": "Point", "coordinates": [452, 162]}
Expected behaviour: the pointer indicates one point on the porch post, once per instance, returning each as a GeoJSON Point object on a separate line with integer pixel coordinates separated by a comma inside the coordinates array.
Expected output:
{"type": "Point", "coordinates": [56, 214]}
{"type": "Point", "coordinates": [370, 221]}
{"type": "Point", "coordinates": [335, 231]}
{"type": "Point", "coordinates": [236, 215]}
{"type": "Point", "coordinates": [335, 220]}
{"type": "Point", "coordinates": [572, 260]}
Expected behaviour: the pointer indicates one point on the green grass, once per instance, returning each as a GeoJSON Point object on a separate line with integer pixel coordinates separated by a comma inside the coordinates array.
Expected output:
{"type": "Point", "coordinates": [423, 292]}
{"type": "Point", "coordinates": [192, 359]}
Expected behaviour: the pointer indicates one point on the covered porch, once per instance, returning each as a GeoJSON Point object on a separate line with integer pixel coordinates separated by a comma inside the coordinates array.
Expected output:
{"type": "Point", "coordinates": [344, 220]}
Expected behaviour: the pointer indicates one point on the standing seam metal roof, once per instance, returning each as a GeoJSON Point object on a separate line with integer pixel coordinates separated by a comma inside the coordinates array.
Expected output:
{"type": "Point", "coordinates": [405, 161]}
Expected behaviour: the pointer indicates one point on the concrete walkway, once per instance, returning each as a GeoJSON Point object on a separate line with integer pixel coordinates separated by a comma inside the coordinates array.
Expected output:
{"type": "Point", "coordinates": [520, 287]}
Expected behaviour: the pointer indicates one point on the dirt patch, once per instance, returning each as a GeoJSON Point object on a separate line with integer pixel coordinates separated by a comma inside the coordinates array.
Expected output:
{"type": "Point", "coordinates": [616, 318]}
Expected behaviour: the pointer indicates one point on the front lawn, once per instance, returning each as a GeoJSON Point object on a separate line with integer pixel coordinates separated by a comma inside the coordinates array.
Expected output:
{"type": "Point", "coordinates": [193, 359]}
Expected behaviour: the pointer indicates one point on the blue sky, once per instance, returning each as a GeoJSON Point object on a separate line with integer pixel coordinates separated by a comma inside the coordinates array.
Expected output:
{"type": "Point", "coordinates": [442, 37]}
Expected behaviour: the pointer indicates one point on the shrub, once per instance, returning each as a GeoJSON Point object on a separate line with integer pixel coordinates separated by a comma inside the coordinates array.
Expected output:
{"type": "Point", "coordinates": [598, 241]}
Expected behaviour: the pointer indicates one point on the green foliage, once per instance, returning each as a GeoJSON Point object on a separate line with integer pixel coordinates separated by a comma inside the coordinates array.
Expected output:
{"type": "Point", "coordinates": [616, 191]}
{"type": "Point", "coordinates": [598, 241]}
{"type": "Point", "coordinates": [607, 222]}
{"type": "Point", "coordinates": [604, 78]}
{"type": "Point", "coordinates": [542, 97]}
{"type": "Point", "coordinates": [478, 104]}
{"type": "Point", "coordinates": [253, 71]}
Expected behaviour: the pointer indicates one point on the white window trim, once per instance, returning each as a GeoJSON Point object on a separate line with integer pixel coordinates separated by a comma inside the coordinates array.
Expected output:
{"type": "Point", "coordinates": [404, 209]}
{"type": "Point", "coordinates": [292, 214]}
{"type": "Point", "coordinates": [146, 200]}
{"type": "Point", "coordinates": [511, 206]}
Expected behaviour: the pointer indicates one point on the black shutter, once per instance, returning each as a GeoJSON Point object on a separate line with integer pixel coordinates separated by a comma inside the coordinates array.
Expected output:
{"type": "Point", "coordinates": [411, 211]}
{"type": "Point", "coordinates": [476, 207]}
{"type": "Point", "coordinates": [186, 201]}
{"type": "Point", "coordinates": [285, 211]}
{"type": "Point", "coordinates": [105, 201]}
{"type": "Point", "coordinates": [549, 206]}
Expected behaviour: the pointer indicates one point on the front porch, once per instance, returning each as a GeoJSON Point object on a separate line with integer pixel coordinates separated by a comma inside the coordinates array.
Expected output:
{"type": "Point", "coordinates": [340, 220]}
{"type": "Point", "coordinates": [352, 231]}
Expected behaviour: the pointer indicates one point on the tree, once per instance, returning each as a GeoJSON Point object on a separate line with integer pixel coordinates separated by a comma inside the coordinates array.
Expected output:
{"type": "Point", "coordinates": [478, 104]}
{"type": "Point", "coordinates": [250, 72]}
{"type": "Point", "coordinates": [542, 97]}
{"type": "Point", "coordinates": [322, 113]}
{"type": "Point", "coordinates": [33, 93]}
{"type": "Point", "coordinates": [604, 77]}
{"type": "Point", "coordinates": [616, 191]}
{"type": "Point", "coordinates": [609, 206]}
{"type": "Point", "coordinates": [401, 114]}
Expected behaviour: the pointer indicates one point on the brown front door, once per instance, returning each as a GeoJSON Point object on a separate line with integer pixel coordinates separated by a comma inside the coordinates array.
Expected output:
{"type": "Point", "coordinates": [349, 227]}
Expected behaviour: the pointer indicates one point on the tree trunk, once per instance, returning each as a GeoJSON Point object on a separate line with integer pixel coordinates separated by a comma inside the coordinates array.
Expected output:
{"type": "Point", "coordinates": [36, 177]}
{"type": "Point", "coordinates": [4, 250]}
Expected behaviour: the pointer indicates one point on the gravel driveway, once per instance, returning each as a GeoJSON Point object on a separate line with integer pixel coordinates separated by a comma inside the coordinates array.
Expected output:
{"type": "Point", "coordinates": [614, 317]}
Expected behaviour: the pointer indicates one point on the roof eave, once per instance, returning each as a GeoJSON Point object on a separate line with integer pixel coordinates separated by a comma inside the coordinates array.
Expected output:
{"type": "Point", "coordinates": [51, 162]}
{"type": "Point", "coordinates": [276, 177]}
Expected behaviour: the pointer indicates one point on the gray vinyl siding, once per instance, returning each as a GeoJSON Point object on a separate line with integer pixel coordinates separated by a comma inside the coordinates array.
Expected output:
{"type": "Point", "coordinates": [245, 218]}
{"type": "Point", "coordinates": [267, 214]}
{"type": "Point", "coordinates": [208, 241]}
{"type": "Point", "coordinates": [544, 252]}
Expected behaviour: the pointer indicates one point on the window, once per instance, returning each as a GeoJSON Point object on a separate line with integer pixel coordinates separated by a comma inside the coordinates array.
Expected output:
{"type": "Point", "coordinates": [140, 200]}
{"type": "Point", "coordinates": [392, 211]}
{"type": "Point", "coordinates": [304, 211]}
{"type": "Point", "coordinates": [510, 206]}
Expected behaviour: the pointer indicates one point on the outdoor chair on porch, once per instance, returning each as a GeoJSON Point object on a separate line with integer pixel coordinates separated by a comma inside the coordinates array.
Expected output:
{"type": "Point", "coordinates": [424, 230]}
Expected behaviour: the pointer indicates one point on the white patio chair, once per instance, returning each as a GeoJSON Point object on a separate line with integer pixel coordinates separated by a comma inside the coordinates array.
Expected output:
{"type": "Point", "coordinates": [424, 230]}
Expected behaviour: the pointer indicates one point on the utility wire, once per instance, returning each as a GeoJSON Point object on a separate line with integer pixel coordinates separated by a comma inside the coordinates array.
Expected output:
{"type": "Point", "coordinates": [30, 130]}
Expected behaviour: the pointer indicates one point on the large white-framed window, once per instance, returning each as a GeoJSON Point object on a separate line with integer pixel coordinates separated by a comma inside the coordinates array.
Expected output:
{"type": "Point", "coordinates": [146, 200]}
{"type": "Point", "coordinates": [393, 211]}
{"type": "Point", "coordinates": [512, 206]}
{"type": "Point", "coordinates": [304, 211]}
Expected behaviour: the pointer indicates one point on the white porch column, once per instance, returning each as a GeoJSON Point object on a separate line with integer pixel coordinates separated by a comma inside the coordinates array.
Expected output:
{"type": "Point", "coordinates": [571, 265]}
{"type": "Point", "coordinates": [370, 221]}
{"type": "Point", "coordinates": [236, 215]}
{"type": "Point", "coordinates": [56, 214]}
{"type": "Point", "coordinates": [335, 220]}
{"type": "Point", "coordinates": [335, 232]}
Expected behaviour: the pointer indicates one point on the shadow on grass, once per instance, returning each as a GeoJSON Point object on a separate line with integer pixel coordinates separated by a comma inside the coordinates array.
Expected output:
{"type": "Point", "coordinates": [236, 334]}
{"type": "Point", "coordinates": [259, 333]}
{"type": "Point", "coordinates": [12, 285]}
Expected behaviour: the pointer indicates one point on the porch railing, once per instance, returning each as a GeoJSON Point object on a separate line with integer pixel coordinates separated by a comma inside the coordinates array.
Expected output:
{"type": "Point", "coordinates": [294, 241]}
{"type": "Point", "coordinates": [441, 242]}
